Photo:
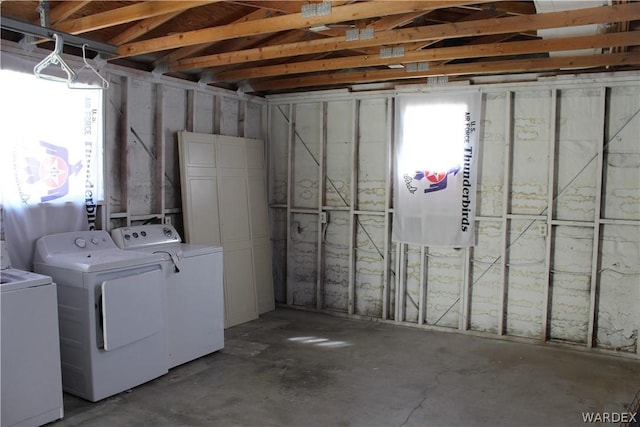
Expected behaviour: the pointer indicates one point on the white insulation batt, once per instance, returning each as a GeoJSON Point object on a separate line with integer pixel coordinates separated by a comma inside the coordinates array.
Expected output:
{"type": "Point", "coordinates": [558, 216]}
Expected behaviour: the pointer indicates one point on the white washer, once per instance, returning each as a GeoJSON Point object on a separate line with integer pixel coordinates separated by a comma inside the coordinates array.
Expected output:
{"type": "Point", "coordinates": [111, 309]}
{"type": "Point", "coordinates": [31, 387]}
{"type": "Point", "coordinates": [195, 297]}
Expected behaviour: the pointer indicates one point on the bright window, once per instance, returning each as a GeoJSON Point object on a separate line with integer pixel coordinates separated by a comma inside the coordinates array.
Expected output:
{"type": "Point", "coordinates": [51, 150]}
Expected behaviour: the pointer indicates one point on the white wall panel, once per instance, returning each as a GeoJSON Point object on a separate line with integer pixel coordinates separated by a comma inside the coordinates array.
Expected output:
{"type": "Point", "coordinates": [372, 155]}
{"type": "Point", "coordinates": [340, 123]}
{"type": "Point", "coordinates": [204, 112]}
{"type": "Point", "coordinates": [619, 297]}
{"type": "Point", "coordinates": [369, 268]}
{"type": "Point", "coordinates": [490, 172]}
{"type": "Point", "coordinates": [141, 138]}
{"type": "Point", "coordinates": [525, 279]}
{"type": "Point", "coordinates": [578, 125]}
{"type": "Point", "coordinates": [308, 138]}
{"type": "Point", "coordinates": [229, 116]}
{"type": "Point", "coordinates": [278, 153]}
{"type": "Point", "coordinates": [336, 261]}
{"type": "Point", "coordinates": [486, 278]}
{"type": "Point", "coordinates": [622, 166]}
{"type": "Point", "coordinates": [175, 120]}
{"type": "Point", "coordinates": [570, 283]}
{"type": "Point", "coordinates": [444, 279]}
{"type": "Point", "coordinates": [302, 267]}
{"type": "Point", "coordinates": [530, 149]}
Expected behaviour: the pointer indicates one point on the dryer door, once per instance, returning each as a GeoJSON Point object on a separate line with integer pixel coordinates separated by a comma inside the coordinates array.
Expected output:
{"type": "Point", "coordinates": [132, 308]}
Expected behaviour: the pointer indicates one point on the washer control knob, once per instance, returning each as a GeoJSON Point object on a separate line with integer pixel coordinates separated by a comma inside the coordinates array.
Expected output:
{"type": "Point", "coordinates": [135, 235]}
{"type": "Point", "coordinates": [143, 233]}
{"type": "Point", "coordinates": [127, 236]}
{"type": "Point", "coordinates": [94, 241]}
{"type": "Point", "coordinates": [81, 243]}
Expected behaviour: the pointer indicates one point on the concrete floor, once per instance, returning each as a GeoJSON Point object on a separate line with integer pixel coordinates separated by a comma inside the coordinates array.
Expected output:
{"type": "Point", "coordinates": [294, 368]}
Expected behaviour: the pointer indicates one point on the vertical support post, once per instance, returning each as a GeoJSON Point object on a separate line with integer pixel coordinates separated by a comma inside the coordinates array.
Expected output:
{"type": "Point", "coordinates": [465, 294]}
{"type": "Point", "coordinates": [217, 114]}
{"type": "Point", "coordinates": [595, 261]}
{"type": "Point", "coordinates": [387, 210]}
{"type": "Point", "coordinates": [322, 173]}
{"type": "Point", "coordinates": [423, 285]}
{"type": "Point", "coordinates": [159, 148]}
{"type": "Point", "coordinates": [508, 147]}
{"type": "Point", "coordinates": [191, 110]}
{"type": "Point", "coordinates": [290, 189]}
{"type": "Point", "coordinates": [401, 288]}
{"type": "Point", "coordinates": [353, 236]}
{"type": "Point", "coordinates": [242, 121]}
{"type": "Point", "coordinates": [551, 183]}
{"type": "Point", "coordinates": [124, 149]}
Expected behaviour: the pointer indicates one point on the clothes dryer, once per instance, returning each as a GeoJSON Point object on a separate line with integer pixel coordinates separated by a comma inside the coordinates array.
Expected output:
{"type": "Point", "coordinates": [194, 289]}
{"type": "Point", "coordinates": [111, 309]}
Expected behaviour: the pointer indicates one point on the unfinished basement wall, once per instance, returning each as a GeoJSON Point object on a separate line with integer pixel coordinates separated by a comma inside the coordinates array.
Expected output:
{"type": "Point", "coordinates": [558, 217]}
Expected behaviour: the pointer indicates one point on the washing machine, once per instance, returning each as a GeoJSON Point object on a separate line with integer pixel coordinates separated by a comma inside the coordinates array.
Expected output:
{"type": "Point", "coordinates": [194, 289]}
{"type": "Point", "coordinates": [111, 312]}
{"type": "Point", "coordinates": [31, 387]}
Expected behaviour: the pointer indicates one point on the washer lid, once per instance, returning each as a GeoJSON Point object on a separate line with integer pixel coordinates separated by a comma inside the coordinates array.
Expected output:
{"type": "Point", "coordinates": [12, 279]}
{"type": "Point", "coordinates": [100, 260]}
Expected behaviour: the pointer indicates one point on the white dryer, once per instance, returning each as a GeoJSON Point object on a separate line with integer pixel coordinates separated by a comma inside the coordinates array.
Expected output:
{"type": "Point", "coordinates": [194, 289]}
{"type": "Point", "coordinates": [111, 310]}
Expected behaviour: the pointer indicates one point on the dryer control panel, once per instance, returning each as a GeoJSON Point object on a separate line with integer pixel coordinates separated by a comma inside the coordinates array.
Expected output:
{"type": "Point", "coordinates": [139, 236]}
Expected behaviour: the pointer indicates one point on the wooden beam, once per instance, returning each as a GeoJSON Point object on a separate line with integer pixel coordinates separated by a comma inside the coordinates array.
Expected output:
{"type": "Point", "coordinates": [512, 24]}
{"type": "Point", "coordinates": [489, 67]}
{"type": "Point", "coordinates": [361, 10]}
{"type": "Point", "coordinates": [438, 54]}
{"type": "Point", "coordinates": [192, 50]}
{"type": "Point", "coordinates": [142, 27]}
{"type": "Point", "coordinates": [65, 10]}
{"type": "Point", "coordinates": [123, 15]}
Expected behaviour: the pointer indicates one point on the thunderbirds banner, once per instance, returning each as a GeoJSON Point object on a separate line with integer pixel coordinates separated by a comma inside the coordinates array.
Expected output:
{"type": "Point", "coordinates": [436, 154]}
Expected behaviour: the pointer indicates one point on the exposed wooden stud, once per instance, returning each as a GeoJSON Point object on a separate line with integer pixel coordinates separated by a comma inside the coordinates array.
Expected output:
{"type": "Point", "coordinates": [401, 283]}
{"type": "Point", "coordinates": [548, 260]}
{"type": "Point", "coordinates": [423, 285]}
{"type": "Point", "coordinates": [242, 118]}
{"type": "Point", "coordinates": [191, 110]}
{"type": "Point", "coordinates": [290, 174]}
{"type": "Point", "coordinates": [217, 114]}
{"type": "Point", "coordinates": [595, 260]}
{"type": "Point", "coordinates": [506, 190]}
{"type": "Point", "coordinates": [465, 290]}
{"type": "Point", "coordinates": [159, 167]}
{"type": "Point", "coordinates": [125, 124]}
{"type": "Point", "coordinates": [322, 176]}
{"type": "Point", "coordinates": [386, 289]}
{"type": "Point", "coordinates": [353, 219]}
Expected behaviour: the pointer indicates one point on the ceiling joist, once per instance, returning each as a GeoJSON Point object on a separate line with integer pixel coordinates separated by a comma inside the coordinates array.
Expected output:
{"type": "Point", "coordinates": [512, 24]}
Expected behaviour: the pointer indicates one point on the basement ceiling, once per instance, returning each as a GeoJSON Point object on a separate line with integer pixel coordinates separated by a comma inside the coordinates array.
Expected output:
{"type": "Point", "coordinates": [265, 47]}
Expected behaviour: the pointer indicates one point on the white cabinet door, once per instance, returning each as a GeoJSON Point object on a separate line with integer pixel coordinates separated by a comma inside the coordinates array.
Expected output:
{"type": "Point", "coordinates": [198, 177]}
{"type": "Point", "coordinates": [227, 174]}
